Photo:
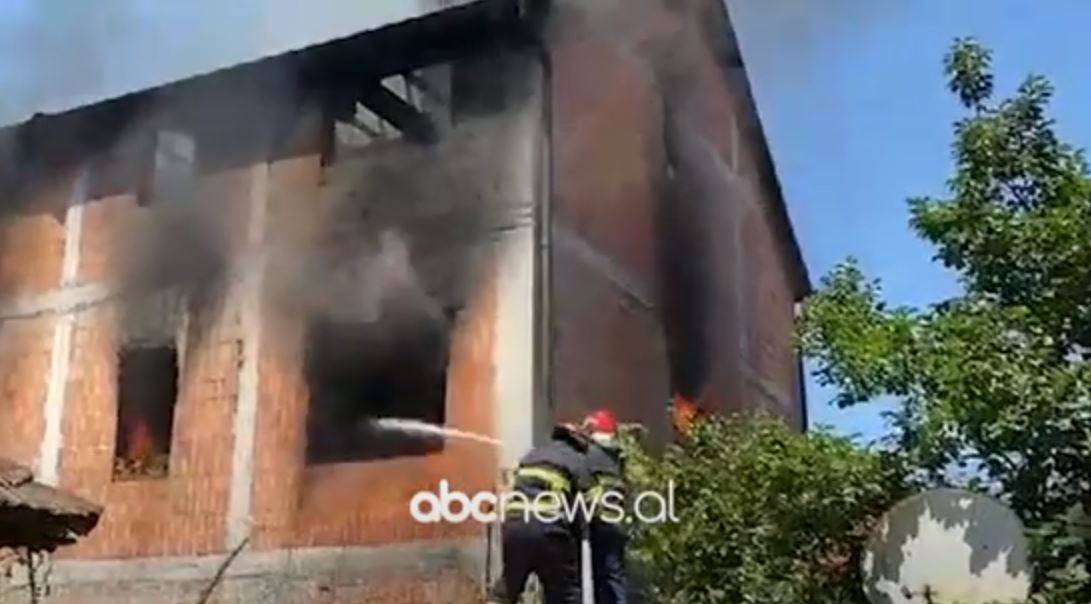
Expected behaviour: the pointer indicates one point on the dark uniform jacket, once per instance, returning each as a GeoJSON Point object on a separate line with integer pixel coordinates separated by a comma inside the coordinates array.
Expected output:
{"type": "Point", "coordinates": [558, 466]}
{"type": "Point", "coordinates": [607, 475]}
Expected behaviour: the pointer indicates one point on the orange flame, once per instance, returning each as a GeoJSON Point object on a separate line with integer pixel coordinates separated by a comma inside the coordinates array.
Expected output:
{"type": "Point", "coordinates": [141, 445]}
{"type": "Point", "coordinates": [684, 412]}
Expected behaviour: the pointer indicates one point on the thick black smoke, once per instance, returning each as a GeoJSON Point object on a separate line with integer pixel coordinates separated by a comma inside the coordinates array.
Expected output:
{"type": "Point", "coordinates": [185, 245]}
{"type": "Point", "coordinates": [179, 250]}
{"type": "Point", "coordinates": [403, 234]}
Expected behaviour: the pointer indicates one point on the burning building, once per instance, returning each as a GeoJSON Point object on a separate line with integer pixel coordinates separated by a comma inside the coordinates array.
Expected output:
{"type": "Point", "coordinates": [482, 215]}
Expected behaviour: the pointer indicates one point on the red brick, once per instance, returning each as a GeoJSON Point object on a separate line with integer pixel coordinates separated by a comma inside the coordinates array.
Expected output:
{"type": "Point", "coordinates": [607, 137]}
{"type": "Point", "coordinates": [603, 141]}
{"type": "Point", "coordinates": [25, 349]}
{"type": "Point", "coordinates": [103, 226]}
{"type": "Point", "coordinates": [350, 503]}
{"type": "Point", "coordinates": [770, 310]}
{"type": "Point", "coordinates": [183, 513]}
{"type": "Point", "coordinates": [32, 241]}
{"type": "Point", "coordinates": [608, 349]}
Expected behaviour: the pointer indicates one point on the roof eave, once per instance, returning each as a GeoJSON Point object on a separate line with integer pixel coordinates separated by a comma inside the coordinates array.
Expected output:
{"type": "Point", "coordinates": [767, 169]}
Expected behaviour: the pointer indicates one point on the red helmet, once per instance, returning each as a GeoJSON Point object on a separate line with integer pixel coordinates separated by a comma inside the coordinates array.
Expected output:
{"type": "Point", "coordinates": [601, 422]}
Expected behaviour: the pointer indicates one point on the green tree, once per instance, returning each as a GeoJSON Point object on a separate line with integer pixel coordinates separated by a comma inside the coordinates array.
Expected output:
{"type": "Point", "coordinates": [992, 385]}
{"type": "Point", "coordinates": [766, 515]}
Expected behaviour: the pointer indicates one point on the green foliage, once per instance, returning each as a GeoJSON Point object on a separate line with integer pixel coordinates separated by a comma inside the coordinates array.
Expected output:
{"type": "Point", "coordinates": [993, 384]}
{"type": "Point", "coordinates": [767, 515]}
{"type": "Point", "coordinates": [968, 72]}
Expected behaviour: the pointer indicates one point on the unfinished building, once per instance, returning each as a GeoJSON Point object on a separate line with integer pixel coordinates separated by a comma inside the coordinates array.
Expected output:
{"type": "Point", "coordinates": [485, 215]}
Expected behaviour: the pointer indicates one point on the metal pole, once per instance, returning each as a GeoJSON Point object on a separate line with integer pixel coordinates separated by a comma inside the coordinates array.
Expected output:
{"type": "Point", "coordinates": [587, 580]}
{"type": "Point", "coordinates": [488, 556]}
{"type": "Point", "coordinates": [32, 580]}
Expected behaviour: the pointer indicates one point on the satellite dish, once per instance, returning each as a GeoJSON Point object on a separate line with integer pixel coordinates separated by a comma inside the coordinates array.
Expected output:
{"type": "Point", "coordinates": [947, 546]}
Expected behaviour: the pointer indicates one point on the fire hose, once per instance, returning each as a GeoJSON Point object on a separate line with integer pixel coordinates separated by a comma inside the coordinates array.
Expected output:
{"type": "Point", "coordinates": [587, 580]}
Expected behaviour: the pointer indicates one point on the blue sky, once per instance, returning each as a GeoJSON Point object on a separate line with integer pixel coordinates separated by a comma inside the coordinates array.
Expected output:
{"type": "Point", "coordinates": [854, 104]}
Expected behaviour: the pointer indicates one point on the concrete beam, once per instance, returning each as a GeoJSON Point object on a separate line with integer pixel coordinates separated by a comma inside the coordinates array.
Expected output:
{"type": "Point", "coordinates": [58, 301]}
{"type": "Point", "coordinates": [415, 125]}
{"type": "Point", "coordinates": [424, 557]}
{"type": "Point", "coordinates": [517, 404]}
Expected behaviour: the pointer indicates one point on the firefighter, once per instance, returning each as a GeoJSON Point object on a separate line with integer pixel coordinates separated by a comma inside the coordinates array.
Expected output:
{"type": "Point", "coordinates": [537, 535]}
{"type": "Point", "coordinates": [607, 530]}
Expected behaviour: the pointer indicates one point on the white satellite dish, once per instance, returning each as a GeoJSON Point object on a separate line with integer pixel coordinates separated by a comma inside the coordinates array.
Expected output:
{"type": "Point", "coordinates": [947, 546]}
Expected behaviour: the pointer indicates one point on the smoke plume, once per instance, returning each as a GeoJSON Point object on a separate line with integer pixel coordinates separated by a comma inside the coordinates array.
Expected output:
{"type": "Point", "coordinates": [402, 231]}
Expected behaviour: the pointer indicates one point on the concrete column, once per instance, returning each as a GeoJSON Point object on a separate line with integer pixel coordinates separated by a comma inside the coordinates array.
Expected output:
{"type": "Point", "coordinates": [239, 520]}
{"type": "Point", "coordinates": [520, 407]}
{"type": "Point", "coordinates": [61, 352]}
{"type": "Point", "coordinates": [515, 393]}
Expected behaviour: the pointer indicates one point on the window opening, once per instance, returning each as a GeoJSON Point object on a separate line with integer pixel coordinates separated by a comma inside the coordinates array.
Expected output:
{"type": "Point", "coordinates": [148, 370]}
{"type": "Point", "coordinates": [172, 173]}
{"type": "Point", "coordinates": [156, 166]}
{"type": "Point", "coordinates": [359, 372]}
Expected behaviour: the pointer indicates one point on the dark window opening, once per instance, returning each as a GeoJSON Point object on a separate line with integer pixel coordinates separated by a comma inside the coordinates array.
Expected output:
{"type": "Point", "coordinates": [121, 168]}
{"type": "Point", "coordinates": [684, 311]}
{"type": "Point", "coordinates": [358, 373]}
{"type": "Point", "coordinates": [684, 268]}
{"type": "Point", "coordinates": [171, 170]}
{"type": "Point", "coordinates": [147, 391]}
{"type": "Point", "coordinates": [155, 166]}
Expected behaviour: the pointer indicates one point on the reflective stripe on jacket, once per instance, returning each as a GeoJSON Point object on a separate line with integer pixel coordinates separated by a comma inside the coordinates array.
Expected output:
{"type": "Point", "coordinates": [558, 466]}
{"type": "Point", "coordinates": [607, 476]}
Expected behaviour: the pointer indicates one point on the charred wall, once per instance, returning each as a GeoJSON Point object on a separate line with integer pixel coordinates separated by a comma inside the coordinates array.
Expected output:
{"type": "Point", "coordinates": [430, 222]}
{"type": "Point", "coordinates": [663, 176]}
{"type": "Point", "coordinates": [669, 270]}
{"type": "Point", "coordinates": [401, 236]}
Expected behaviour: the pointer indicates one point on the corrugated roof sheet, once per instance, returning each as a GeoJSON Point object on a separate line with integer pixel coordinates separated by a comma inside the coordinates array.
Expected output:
{"type": "Point", "coordinates": [38, 516]}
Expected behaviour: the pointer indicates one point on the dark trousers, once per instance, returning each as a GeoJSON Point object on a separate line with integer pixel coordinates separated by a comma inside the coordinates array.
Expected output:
{"type": "Point", "coordinates": [608, 563]}
{"type": "Point", "coordinates": [549, 550]}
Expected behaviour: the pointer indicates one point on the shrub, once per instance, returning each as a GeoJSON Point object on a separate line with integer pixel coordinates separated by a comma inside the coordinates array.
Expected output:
{"type": "Point", "coordinates": [766, 514]}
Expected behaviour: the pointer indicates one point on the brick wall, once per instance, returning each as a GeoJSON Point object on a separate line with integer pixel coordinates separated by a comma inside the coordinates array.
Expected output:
{"type": "Point", "coordinates": [296, 505]}
{"type": "Point", "coordinates": [31, 253]}
{"type": "Point", "coordinates": [617, 65]}
{"type": "Point", "coordinates": [771, 362]}
{"type": "Point", "coordinates": [293, 505]}
{"type": "Point", "coordinates": [32, 239]}
{"type": "Point", "coordinates": [607, 347]}
{"type": "Point", "coordinates": [25, 347]}
{"type": "Point", "coordinates": [183, 513]}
